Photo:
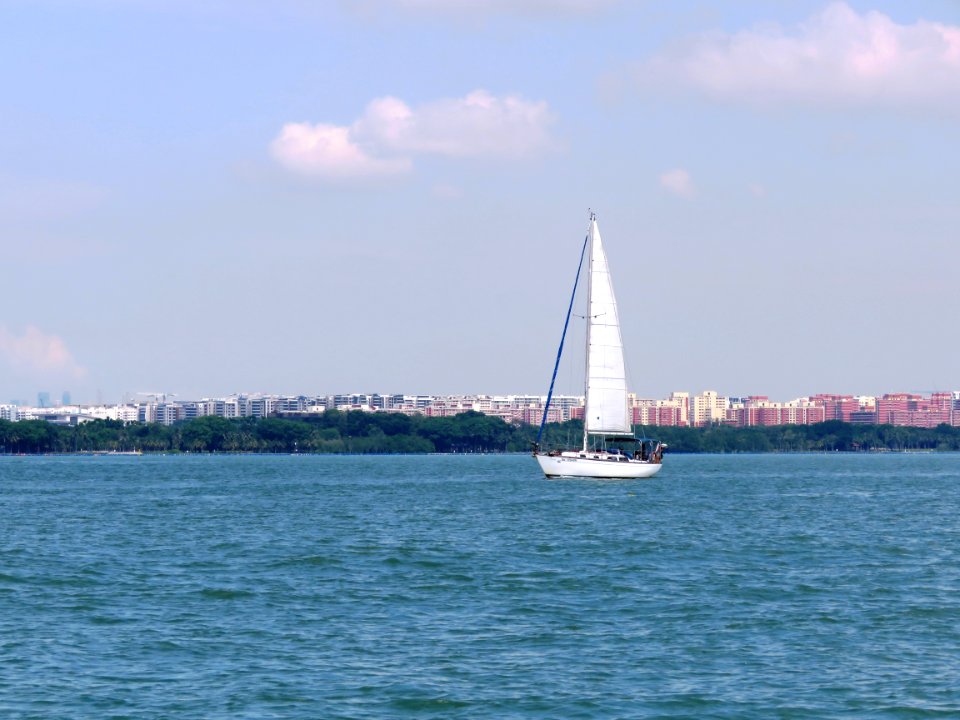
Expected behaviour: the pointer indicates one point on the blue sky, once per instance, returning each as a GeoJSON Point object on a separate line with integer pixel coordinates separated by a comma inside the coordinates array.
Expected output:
{"type": "Point", "coordinates": [389, 195]}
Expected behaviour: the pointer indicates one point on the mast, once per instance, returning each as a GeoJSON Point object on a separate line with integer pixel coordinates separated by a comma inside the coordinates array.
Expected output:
{"type": "Point", "coordinates": [586, 364]}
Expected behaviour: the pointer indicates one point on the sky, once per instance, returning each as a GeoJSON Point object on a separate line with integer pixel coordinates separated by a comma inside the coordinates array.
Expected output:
{"type": "Point", "coordinates": [208, 196]}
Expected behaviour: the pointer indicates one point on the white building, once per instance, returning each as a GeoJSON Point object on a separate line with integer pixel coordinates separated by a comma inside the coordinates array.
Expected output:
{"type": "Point", "coordinates": [708, 408]}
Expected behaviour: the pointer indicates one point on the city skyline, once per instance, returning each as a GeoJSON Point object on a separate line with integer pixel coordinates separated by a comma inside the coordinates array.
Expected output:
{"type": "Point", "coordinates": [680, 408]}
{"type": "Point", "coordinates": [211, 196]}
{"type": "Point", "coordinates": [48, 399]}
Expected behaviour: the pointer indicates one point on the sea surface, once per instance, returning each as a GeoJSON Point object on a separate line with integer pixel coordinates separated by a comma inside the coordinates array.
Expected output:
{"type": "Point", "coordinates": [736, 586]}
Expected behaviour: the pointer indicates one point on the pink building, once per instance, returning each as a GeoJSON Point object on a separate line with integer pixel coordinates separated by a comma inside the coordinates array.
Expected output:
{"type": "Point", "coordinates": [838, 407]}
{"type": "Point", "coordinates": [915, 410]}
{"type": "Point", "coordinates": [532, 414]}
{"type": "Point", "coordinates": [758, 410]}
{"type": "Point", "coordinates": [681, 409]}
{"type": "Point", "coordinates": [657, 414]}
{"type": "Point", "coordinates": [674, 411]}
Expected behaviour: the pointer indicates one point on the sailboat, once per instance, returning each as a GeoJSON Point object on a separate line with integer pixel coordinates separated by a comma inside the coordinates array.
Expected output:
{"type": "Point", "coordinates": [609, 450]}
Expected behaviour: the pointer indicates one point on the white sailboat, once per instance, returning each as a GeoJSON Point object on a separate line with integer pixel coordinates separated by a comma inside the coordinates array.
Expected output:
{"type": "Point", "coordinates": [609, 449]}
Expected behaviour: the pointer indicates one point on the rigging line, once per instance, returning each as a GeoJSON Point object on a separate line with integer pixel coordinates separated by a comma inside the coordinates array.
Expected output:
{"type": "Point", "coordinates": [566, 324]}
{"type": "Point", "coordinates": [569, 386]}
{"type": "Point", "coordinates": [629, 380]}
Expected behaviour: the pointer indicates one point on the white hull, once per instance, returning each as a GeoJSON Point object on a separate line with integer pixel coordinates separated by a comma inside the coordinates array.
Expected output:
{"type": "Point", "coordinates": [600, 466]}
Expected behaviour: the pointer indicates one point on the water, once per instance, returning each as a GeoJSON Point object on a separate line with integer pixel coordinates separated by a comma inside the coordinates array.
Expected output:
{"type": "Point", "coordinates": [469, 587]}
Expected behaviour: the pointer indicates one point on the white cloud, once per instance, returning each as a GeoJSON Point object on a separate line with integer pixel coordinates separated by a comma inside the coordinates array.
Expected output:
{"type": "Point", "coordinates": [330, 151]}
{"type": "Point", "coordinates": [38, 352]}
{"type": "Point", "coordinates": [678, 181]}
{"type": "Point", "coordinates": [390, 133]}
{"type": "Point", "coordinates": [473, 126]}
{"type": "Point", "coordinates": [837, 56]}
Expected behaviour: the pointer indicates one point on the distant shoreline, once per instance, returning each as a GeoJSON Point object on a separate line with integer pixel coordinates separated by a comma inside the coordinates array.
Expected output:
{"type": "Point", "coordinates": [362, 433]}
{"type": "Point", "coordinates": [492, 453]}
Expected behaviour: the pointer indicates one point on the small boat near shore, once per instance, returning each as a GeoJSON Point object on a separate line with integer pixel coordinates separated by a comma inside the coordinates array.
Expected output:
{"type": "Point", "coordinates": [99, 453]}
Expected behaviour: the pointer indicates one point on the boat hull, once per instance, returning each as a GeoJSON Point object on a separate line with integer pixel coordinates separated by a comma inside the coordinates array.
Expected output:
{"type": "Point", "coordinates": [602, 469]}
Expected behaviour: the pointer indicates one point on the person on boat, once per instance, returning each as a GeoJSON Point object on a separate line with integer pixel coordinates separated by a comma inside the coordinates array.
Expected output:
{"type": "Point", "coordinates": [658, 454]}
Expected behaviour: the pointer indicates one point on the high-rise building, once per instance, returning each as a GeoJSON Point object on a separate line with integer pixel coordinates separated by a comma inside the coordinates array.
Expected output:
{"type": "Point", "coordinates": [707, 408]}
{"type": "Point", "coordinates": [837, 407]}
{"type": "Point", "coordinates": [43, 399]}
{"type": "Point", "coordinates": [681, 400]}
{"type": "Point", "coordinates": [65, 398]}
{"type": "Point", "coordinates": [168, 413]}
{"type": "Point", "coordinates": [672, 411]}
{"type": "Point", "coordinates": [915, 410]}
{"type": "Point", "coordinates": [758, 410]}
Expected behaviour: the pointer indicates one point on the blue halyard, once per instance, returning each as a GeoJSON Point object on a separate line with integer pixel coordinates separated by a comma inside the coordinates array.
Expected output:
{"type": "Point", "coordinates": [566, 324]}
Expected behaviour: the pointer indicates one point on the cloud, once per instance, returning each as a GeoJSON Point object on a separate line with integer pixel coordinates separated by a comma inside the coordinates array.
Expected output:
{"type": "Point", "coordinates": [389, 134]}
{"type": "Point", "coordinates": [329, 151]}
{"type": "Point", "coordinates": [838, 56]}
{"type": "Point", "coordinates": [38, 352]}
{"type": "Point", "coordinates": [678, 182]}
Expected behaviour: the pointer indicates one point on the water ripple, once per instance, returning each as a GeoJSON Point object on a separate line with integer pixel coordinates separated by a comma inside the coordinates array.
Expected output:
{"type": "Point", "coordinates": [468, 587]}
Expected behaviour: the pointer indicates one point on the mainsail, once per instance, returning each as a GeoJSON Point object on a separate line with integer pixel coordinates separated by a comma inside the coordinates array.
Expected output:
{"type": "Point", "coordinates": [606, 401]}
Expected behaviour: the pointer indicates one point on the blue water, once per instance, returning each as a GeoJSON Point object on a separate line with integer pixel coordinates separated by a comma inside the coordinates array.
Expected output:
{"type": "Point", "coordinates": [469, 587]}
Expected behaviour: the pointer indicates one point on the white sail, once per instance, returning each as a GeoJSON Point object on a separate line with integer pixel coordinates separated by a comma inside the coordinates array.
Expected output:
{"type": "Point", "coordinates": [606, 410]}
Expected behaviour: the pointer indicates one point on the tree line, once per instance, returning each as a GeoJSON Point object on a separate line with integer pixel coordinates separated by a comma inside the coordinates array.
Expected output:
{"type": "Point", "coordinates": [332, 431]}
{"type": "Point", "coordinates": [830, 436]}
{"type": "Point", "coordinates": [339, 432]}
